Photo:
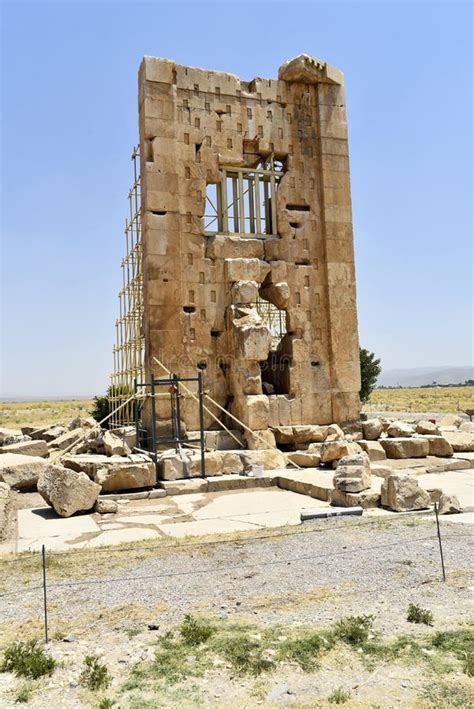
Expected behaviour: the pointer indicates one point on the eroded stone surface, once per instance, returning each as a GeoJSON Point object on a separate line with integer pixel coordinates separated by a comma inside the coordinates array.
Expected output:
{"type": "Point", "coordinates": [401, 492]}
{"type": "Point", "coordinates": [67, 491]}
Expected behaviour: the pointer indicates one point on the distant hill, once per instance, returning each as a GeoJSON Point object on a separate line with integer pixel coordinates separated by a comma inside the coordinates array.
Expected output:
{"type": "Point", "coordinates": [421, 376]}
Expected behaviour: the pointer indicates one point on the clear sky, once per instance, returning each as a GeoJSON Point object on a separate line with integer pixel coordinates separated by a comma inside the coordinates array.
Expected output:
{"type": "Point", "coordinates": [69, 97]}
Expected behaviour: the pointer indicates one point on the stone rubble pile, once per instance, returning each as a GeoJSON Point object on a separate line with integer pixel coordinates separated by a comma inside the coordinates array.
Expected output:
{"type": "Point", "coordinates": [71, 466]}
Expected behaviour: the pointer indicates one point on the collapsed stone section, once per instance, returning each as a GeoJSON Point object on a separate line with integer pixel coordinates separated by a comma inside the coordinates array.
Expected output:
{"type": "Point", "coordinates": [246, 212]}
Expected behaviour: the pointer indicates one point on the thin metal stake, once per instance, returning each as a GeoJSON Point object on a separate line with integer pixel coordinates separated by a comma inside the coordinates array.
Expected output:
{"type": "Point", "coordinates": [43, 555]}
{"type": "Point", "coordinates": [439, 539]}
{"type": "Point", "coordinates": [201, 423]}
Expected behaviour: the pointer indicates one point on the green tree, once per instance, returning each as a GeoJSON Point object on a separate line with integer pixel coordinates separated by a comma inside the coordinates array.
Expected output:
{"type": "Point", "coordinates": [102, 404]}
{"type": "Point", "coordinates": [369, 371]}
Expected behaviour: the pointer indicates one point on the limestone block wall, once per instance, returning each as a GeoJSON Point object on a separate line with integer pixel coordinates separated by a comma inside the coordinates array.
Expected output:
{"type": "Point", "coordinates": [200, 286]}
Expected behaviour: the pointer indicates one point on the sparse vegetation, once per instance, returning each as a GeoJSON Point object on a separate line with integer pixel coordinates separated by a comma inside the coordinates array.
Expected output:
{"type": "Point", "coordinates": [106, 703]}
{"type": "Point", "coordinates": [24, 693]}
{"type": "Point", "coordinates": [448, 694]}
{"type": "Point", "coordinates": [27, 659]}
{"type": "Point", "coordinates": [195, 631]}
{"type": "Point", "coordinates": [430, 399]}
{"type": "Point", "coordinates": [354, 630]}
{"type": "Point", "coordinates": [95, 674]}
{"type": "Point", "coordinates": [42, 413]}
{"type": "Point", "coordinates": [246, 654]}
{"type": "Point", "coordinates": [307, 649]}
{"type": "Point", "coordinates": [339, 696]}
{"type": "Point", "coordinates": [416, 614]}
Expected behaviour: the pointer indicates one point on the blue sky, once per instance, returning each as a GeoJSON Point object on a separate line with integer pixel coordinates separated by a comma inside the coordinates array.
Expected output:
{"type": "Point", "coordinates": [69, 92]}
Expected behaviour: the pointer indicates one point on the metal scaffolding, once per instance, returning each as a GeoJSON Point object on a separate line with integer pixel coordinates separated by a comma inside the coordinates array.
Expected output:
{"type": "Point", "coordinates": [129, 340]}
{"type": "Point", "coordinates": [273, 318]}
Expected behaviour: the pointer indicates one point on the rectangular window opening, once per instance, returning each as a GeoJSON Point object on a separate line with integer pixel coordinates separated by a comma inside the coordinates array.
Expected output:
{"type": "Point", "coordinates": [244, 201]}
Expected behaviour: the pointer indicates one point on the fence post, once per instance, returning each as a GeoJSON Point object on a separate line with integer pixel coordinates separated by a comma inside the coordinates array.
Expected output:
{"type": "Point", "coordinates": [43, 556]}
{"type": "Point", "coordinates": [439, 540]}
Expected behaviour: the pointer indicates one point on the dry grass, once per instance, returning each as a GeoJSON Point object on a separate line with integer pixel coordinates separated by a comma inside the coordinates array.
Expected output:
{"type": "Point", "coordinates": [42, 413]}
{"type": "Point", "coordinates": [445, 399]}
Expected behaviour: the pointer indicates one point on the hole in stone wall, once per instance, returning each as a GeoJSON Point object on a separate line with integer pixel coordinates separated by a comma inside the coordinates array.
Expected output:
{"type": "Point", "coordinates": [315, 364]}
{"type": "Point", "coordinates": [189, 309]}
{"type": "Point", "coordinates": [295, 225]}
{"type": "Point", "coordinates": [216, 333]}
{"type": "Point", "coordinates": [202, 365]}
{"type": "Point", "coordinates": [149, 157]}
{"type": "Point", "coordinates": [302, 262]}
{"type": "Point", "coordinates": [223, 365]}
{"type": "Point", "coordinates": [298, 207]}
{"type": "Point", "coordinates": [158, 213]}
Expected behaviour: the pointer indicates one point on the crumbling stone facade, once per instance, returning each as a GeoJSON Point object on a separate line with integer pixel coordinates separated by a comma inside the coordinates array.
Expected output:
{"type": "Point", "coordinates": [248, 263]}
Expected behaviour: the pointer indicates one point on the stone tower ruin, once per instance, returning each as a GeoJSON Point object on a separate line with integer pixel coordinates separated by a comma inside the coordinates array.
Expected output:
{"type": "Point", "coordinates": [247, 261]}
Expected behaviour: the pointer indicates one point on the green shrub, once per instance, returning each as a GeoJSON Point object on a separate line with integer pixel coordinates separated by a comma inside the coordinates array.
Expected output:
{"type": "Point", "coordinates": [105, 703]}
{"type": "Point", "coordinates": [416, 614]}
{"type": "Point", "coordinates": [306, 650]}
{"type": "Point", "coordinates": [354, 630]}
{"type": "Point", "coordinates": [94, 675]}
{"type": "Point", "coordinates": [246, 655]}
{"type": "Point", "coordinates": [27, 659]}
{"type": "Point", "coordinates": [339, 696]}
{"type": "Point", "coordinates": [461, 643]}
{"type": "Point", "coordinates": [195, 631]}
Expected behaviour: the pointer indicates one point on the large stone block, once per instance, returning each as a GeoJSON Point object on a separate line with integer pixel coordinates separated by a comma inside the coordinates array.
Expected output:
{"type": "Point", "coordinates": [353, 473]}
{"type": "Point", "coordinates": [400, 429]}
{"type": "Point", "coordinates": [21, 471]}
{"type": "Point", "coordinates": [401, 493]}
{"type": "Point", "coordinates": [37, 448]}
{"type": "Point", "coordinates": [126, 476]}
{"type": "Point", "coordinates": [405, 447]}
{"type": "Point", "coordinates": [67, 491]}
{"type": "Point", "coordinates": [271, 459]}
{"type": "Point", "coordinates": [460, 441]}
{"type": "Point", "coordinates": [439, 446]}
{"type": "Point", "coordinates": [374, 450]}
{"type": "Point", "coordinates": [372, 429]}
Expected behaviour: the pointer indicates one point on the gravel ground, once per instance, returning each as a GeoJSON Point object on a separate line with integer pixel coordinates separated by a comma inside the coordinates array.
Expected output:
{"type": "Point", "coordinates": [310, 574]}
{"type": "Point", "coordinates": [355, 565]}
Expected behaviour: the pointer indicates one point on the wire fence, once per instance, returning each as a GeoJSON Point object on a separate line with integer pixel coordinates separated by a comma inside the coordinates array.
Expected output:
{"type": "Point", "coordinates": [432, 540]}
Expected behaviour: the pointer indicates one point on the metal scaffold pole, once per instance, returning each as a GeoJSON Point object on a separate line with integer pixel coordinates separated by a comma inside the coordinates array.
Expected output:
{"type": "Point", "coordinates": [129, 346]}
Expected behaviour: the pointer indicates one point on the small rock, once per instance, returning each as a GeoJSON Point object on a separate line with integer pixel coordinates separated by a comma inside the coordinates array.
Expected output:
{"type": "Point", "coordinates": [448, 505]}
{"type": "Point", "coordinates": [69, 639]}
{"type": "Point", "coordinates": [153, 626]}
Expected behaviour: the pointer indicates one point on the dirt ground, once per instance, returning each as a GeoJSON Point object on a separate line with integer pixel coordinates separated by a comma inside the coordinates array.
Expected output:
{"type": "Point", "coordinates": [119, 603]}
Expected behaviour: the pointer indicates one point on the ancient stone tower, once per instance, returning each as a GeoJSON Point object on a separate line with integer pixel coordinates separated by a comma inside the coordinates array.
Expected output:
{"type": "Point", "coordinates": [247, 247]}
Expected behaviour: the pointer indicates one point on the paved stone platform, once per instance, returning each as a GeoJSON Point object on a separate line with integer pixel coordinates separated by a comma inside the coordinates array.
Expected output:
{"type": "Point", "coordinates": [185, 515]}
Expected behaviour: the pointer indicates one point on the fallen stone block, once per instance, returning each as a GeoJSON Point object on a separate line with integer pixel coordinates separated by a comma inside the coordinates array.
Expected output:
{"type": "Point", "coordinates": [91, 463]}
{"type": "Point", "coordinates": [271, 459]}
{"type": "Point", "coordinates": [283, 435]}
{"type": "Point", "coordinates": [127, 434]}
{"type": "Point", "coordinates": [334, 450]}
{"type": "Point", "coordinates": [304, 459]}
{"type": "Point", "coordinates": [82, 422]}
{"type": "Point", "coordinates": [427, 428]}
{"type": "Point", "coordinates": [439, 446]}
{"type": "Point", "coordinates": [405, 447]}
{"type": "Point", "coordinates": [9, 436]}
{"type": "Point", "coordinates": [50, 433]}
{"type": "Point", "coordinates": [374, 450]}
{"type": "Point", "coordinates": [113, 445]}
{"type": "Point", "coordinates": [105, 507]}
{"type": "Point", "coordinates": [126, 476]}
{"type": "Point", "coordinates": [466, 427]}
{"type": "Point", "coordinates": [36, 448]}
{"type": "Point", "coordinates": [460, 441]}
{"type": "Point", "coordinates": [231, 463]}
{"type": "Point", "coordinates": [67, 491]}
{"type": "Point", "coordinates": [402, 493]}
{"type": "Point", "coordinates": [353, 473]}
{"type": "Point", "coordinates": [212, 462]}
{"type": "Point", "coordinates": [260, 440]}
{"type": "Point", "coordinates": [400, 429]}
{"type": "Point", "coordinates": [65, 439]}
{"type": "Point", "coordinates": [367, 499]}
{"type": "Point", "coordinates": [311, 434]}
{"type": "Point", "coordinates": [334, 433]}
{"type": "Point", "coordinates": [372, 429]}
{"type": "Point", "coordinates": [21, 471]}
{"type": "Point", "coordinates": [448, 505]}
